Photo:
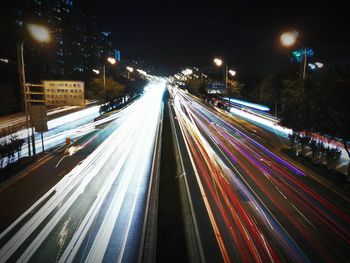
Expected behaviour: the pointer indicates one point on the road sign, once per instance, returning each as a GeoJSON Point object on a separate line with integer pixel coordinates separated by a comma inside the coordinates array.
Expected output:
{"type": "Point", "coordinates": [299, 54]}
{"type": "Point", "coordinates": [39, 117]}
{"type": "Point", "coordinates": [64, 93]}
{"type": "Point", "coordinates": [117, 55]}
{"type": "Point", "coordinates": [216, 88]}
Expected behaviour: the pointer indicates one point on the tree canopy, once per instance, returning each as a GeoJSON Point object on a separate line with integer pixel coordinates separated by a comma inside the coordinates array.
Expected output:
{"type": "Point", "coordinates": [96, 89]}
{"type": "Point", "coordinates": [319, 103]}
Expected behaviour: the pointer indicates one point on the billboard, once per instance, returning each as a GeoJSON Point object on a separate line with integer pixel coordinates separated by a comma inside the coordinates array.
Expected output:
{"type": "Point", "coordinates": [216, 88]}
{"type": "Point", "coordinates": [64, 93]}
{"type": "Point", "coordinates": [117, 55]}
{"type": "Point", "coordinates": [298, 55]}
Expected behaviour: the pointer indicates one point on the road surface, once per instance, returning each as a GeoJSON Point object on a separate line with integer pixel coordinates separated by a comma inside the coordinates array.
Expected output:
{"type": "Point", "coordinates": [96, 212]}
{"type": "Point", "coordinates": [261, 207]}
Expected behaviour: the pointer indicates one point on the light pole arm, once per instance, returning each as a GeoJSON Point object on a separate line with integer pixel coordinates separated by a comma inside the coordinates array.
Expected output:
{"type": "Point", "coordinates": [104, 76]}
{"type": "Point", "coordinates": [21, 66]}
{"type": "Point", "coordinates": [305, 58]}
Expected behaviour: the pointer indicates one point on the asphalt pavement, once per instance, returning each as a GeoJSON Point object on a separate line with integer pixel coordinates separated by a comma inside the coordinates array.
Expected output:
{"type": "Point", "coordinates": [96, 211]}
{"type": "Point", "coordinates": [261, 206]}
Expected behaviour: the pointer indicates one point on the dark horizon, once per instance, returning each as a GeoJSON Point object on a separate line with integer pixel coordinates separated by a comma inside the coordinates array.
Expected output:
{"type": "Point", "coordinates": [244, 35]}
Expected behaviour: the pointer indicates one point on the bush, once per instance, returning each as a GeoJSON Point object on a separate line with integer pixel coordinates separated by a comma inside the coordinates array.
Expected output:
{"type": "Point", "coordinates": [8, 149]}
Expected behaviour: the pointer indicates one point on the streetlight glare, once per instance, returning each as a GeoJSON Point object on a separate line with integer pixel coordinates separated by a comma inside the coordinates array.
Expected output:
{"type": "Point", "coordinates": [5, 60]}
{"type": "Point", "coordinates": [39, 33]}
{"type": "Point", "coordinates": [96, 71]}
{"type": "Point", "coordinates": [289, 38]}
{"type": "Point", "coordinates": [232, 72]}
{"type": "Point", "coordinates": [319, 64]}
{"type": "Point", "coordinates": [142, 72]}
{"type": "Point", "coordinates": [111, 60]}
{"type": "Point", "coordinates": [218, 61]}
{"type": "Point", "coordinates": [187, 72]}
{"type": "Point", "coordinates": [130, 69]}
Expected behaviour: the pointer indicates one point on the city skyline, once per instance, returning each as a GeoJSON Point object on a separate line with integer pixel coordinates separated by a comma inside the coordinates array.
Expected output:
{"type": "Point", "coordinates": [246, 33]}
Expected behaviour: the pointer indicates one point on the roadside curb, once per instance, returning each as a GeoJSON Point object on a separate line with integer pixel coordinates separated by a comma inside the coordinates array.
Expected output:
{"type": "Point", "coordinates": [147, 252]}
{"type": "Point", "coordinates": [193, 242]}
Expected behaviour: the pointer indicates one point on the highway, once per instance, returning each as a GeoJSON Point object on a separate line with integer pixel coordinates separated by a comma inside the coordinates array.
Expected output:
{"type": "Point", "coordinates": [17, 120]}
{"type": "Point", "coordinates": [96, 212]}
{"type": "Point", "coordinates": [261, 207]}
{"type": "Point", "coordinates": [72, 125]}
{"type": "Point", "coordinates": [20, 119]}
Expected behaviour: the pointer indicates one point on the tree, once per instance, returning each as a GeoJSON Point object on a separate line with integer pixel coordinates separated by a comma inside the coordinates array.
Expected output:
{"type": "Point", "coordinates": [193, 85]}
{"type": "Point", "coordinates": [294, 105]}
{"type": "Point", "coordinates": [9, 147]}
{"type": "Point", "coordinates": [234, 88]}
{"type": "Point", "coordinates": [96, 90]}
{"type": "Point", "coordinates": [319, 104]}
{"type": "Point", "coordinates": [271, 88]}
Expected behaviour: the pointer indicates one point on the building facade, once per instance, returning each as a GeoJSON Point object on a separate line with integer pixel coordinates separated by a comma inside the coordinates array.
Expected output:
{"type": "Point", "coordinates": [76, 45]}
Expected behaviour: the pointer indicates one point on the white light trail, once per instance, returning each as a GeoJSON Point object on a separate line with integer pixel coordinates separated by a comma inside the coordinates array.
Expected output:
{"type": "Point", "coordinates": [126, 154]}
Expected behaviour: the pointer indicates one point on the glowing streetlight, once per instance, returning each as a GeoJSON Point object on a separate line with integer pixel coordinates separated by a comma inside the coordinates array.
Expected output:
{"type": "Point", "coordinates": [111, 60]}
{"type": "Point", "coordinates": [232, 72]}
{"type": "Point", "coordinates": [218, 61]}
{"type": "Point", "coordinates": [129, 69]}
{"type": "Point", "coordinates": [319, 64]}
{"type": "Point", "coordinates": [96, 71]}
{"type": "Point", "coordinates": [187, 72]}
{"type": "Point", "coordinates": [288, 39]}
{"type": "Point", "coordinates": [5, 60]}
{"type": "Point", "coordinates": [39, 33]}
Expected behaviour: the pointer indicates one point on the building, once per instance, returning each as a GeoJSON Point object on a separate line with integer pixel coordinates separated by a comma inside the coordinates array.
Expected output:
{"type": "Point", "coordinates": [76, 45]}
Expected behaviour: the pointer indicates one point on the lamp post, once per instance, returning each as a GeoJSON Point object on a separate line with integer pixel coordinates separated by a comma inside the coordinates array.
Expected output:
{"type": "Point", "coordinates": [112, 61]}
{"type": "Point", "coordinates": [129, 69]}
{"type": "Point", "coordinates": [219, 63]}
{"type": "Point", "coordinates": [40, 34]}
{"type": "Point", "coordinates": [288, 39]}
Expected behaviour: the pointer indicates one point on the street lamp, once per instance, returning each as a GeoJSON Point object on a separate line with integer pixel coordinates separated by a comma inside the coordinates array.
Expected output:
{"type": "Point", "coordinates": [111, 61]}
{"type": "Point", "coordinates": [232, 72]}
{"type": "Point", "coordinates": [96, 71]}
{"type": "Point", "coordinates": [219, 62]}
{"type": "Point", "coordinates": [40, 34]}
{"type": "Point", "coordinates": [288, 39]}
{"type": "Point", "coordinates": [319, 64]}
{"type": "Point", "coordinates": [187, 72]}
{"type": "Point", "coordinates": [5, 60]}
{"type": "Point", "coordinates": [129, 69]}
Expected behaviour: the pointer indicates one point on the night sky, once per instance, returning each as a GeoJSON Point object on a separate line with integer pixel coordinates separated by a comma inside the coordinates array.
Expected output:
{"type": "Point", "coordinates": [245, 33]}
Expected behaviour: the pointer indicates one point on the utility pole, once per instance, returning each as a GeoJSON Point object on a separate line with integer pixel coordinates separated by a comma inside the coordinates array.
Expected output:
{"type": "Point", "coordinates": [305, 59]}
{"type": "Point", "coordinates": [24, 89]}
{"type": "Point", "coordinates": [226, 78]}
